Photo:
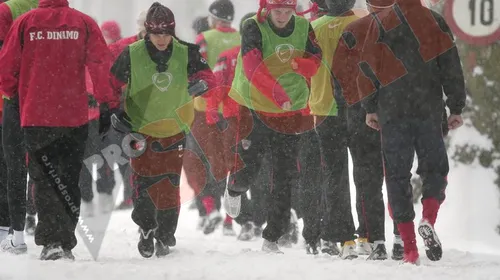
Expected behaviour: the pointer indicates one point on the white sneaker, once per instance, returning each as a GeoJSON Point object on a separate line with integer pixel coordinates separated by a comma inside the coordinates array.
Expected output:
{"type": "Point", "coordinates": [106, 203]}
{"type": "Point", "coordinates": [364, 247]}
{"type": "Point", "coordinates": [87, 209]}
{"type": "Point", "coordinates": [433, 247]}
{"type": "Point", "coordinates": [8, 246]}
{"type": "Point", "coordinates": [348, 251]}
{"type": "Point", "coordinates": [232, 204]}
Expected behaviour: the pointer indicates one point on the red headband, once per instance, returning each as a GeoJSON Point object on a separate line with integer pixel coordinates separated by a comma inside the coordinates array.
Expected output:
{"type": "Point", "coordinates": [268, 5]}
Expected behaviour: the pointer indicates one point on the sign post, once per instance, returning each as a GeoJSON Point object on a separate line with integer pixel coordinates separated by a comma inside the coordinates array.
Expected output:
{"type": "Point", "coordinates": [476, 22]}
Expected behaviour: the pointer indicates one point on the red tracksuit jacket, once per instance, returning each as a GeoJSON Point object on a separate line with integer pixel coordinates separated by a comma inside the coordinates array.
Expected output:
{"type": "Point", "coordinates": [43, 61]}
{"type": "Point", "coordinates": [116, 49]}
{"type": "Point", "coordinates": [224, 73]}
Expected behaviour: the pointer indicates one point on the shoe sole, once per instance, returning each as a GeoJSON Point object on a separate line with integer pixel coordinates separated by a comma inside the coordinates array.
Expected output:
{"type": "Point", "coordinates": [146, 252]}
{"type": "Point", "coordinates": [16, 251]}
{"type": "Point", "coordinates": [330, 252]}
{"type": "Point", "coordinates": [58, 255]}
{"type": "Point", "coordinates": [397, 258]}
{"type": "Point", "coordinates": [433, 248]}
{"type": "Point", "coordinates": [377, 258]}
{"type": "Point", "coordinates": [349, 257]}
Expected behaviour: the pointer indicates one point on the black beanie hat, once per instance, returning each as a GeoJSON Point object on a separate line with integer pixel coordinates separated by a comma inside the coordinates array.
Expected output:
{"type": "Point", "coordinates": [160, 20]}
{"type": "Point", "coordinates": [245, 17]}
{"type": "Point", "coordinates": [222, 9]}
{"type": "Point", "coordinates": [201, 25]}
{"type": "Point", "coordinates": [339, 7]}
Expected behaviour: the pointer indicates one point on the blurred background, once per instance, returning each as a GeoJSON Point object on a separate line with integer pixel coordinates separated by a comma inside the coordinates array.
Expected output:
{"type": "Point", "coordinates": [125, 12]}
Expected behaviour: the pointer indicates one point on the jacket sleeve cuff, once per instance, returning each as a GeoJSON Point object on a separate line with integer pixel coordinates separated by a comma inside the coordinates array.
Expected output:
{"type": "Point", "coordinates": [456, 111]}
{"type": "Point", "coordinates": [307, 67]}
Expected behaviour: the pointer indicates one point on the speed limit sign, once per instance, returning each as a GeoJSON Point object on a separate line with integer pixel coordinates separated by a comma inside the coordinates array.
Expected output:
{"type": "Point", "coordinates": [476, 22]}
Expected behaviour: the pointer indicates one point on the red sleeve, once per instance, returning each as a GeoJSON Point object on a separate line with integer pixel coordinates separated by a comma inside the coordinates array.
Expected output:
{"type": "Point", "coordinates": [5, 20]}
{"type": "Point", "coordinates": [202, 43]}
{"type": "Point", "coordinates": [257, 73]}
{"type": "Point", "coordinates": [309, 65]}
{"type": "Point", "coordinates": [11, 60]}
{"type": "Point", "coordinates": [99, 63]}
{"type": "Point", "coordinates": [221, 73]}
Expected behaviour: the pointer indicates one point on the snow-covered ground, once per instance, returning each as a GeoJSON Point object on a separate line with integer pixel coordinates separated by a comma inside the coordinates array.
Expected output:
{"type": "Point", "coordinates": [216, 257]}
{"type": "Point", "coordinates": [466, 226]}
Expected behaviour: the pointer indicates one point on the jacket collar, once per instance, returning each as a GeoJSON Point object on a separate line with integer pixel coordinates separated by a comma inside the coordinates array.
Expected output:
{"type": "Point", "coordinates": [53, 3]}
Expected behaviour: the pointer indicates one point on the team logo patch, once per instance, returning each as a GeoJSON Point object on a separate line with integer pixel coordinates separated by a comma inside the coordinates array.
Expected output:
{"type": "Point", "coordinates": [284, 52]}
{"type": "Point", "coordinates": [162, 80]}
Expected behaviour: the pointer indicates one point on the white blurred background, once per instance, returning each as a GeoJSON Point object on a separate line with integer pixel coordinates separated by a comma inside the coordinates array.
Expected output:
{"type": "Point", "coordinates": [125, 12]}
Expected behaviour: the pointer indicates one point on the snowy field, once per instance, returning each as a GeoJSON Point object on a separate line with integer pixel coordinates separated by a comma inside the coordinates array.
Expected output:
{"type": "Point", "coordinates": [216, 257]}
{"type": "Point", "coordinates": [466, 226]}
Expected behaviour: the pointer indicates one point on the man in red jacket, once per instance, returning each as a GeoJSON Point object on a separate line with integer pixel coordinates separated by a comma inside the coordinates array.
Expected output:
{"type": "Point", "coordinates": [111, 31]}
{"type": "Point", "coordinates": [44, 64]}
{"type": "Point", "coordinates": [13, 189]}
{"type": "Point", "coordinates": [117, 47]}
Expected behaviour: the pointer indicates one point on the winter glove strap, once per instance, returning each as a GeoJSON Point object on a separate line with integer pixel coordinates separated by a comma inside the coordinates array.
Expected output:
{"type": "Point", "coordinates": [121, 122]}
{"type": "Point", "coordinates": [197, 88]}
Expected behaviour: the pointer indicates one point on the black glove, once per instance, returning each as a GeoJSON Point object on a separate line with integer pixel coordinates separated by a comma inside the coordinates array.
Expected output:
{"type": "Point", "coordinates": [105, 119]}
{"type": "Point", "coordinates": [197, 88]}
{"type": "Point", "coordinates": [121, 122]}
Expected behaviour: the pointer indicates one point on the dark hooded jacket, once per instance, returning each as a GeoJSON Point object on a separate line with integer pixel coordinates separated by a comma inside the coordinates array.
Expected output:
{"type": "Point", "coordinates": [408, 60]}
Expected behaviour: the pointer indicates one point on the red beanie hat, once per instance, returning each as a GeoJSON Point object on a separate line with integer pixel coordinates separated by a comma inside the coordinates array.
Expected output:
{"type": "Point", "coordinates": [111, 30]}
{"type": "Point", "coordinates": [268, 5]}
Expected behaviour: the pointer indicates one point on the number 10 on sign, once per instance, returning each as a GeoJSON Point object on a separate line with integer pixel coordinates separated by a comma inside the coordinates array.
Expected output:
{"type": "Point", "coordinates": [485, 11]}
{"type": "Point", "coordinates": [476, 22]}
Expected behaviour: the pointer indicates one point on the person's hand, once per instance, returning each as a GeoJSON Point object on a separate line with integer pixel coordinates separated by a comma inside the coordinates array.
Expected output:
{"type": "Point", "coordinates": [305, 67]}
{"type": "Point", "coordinates": [372, 121]}
{"type": "Point", "coordinates": [455, 121]}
